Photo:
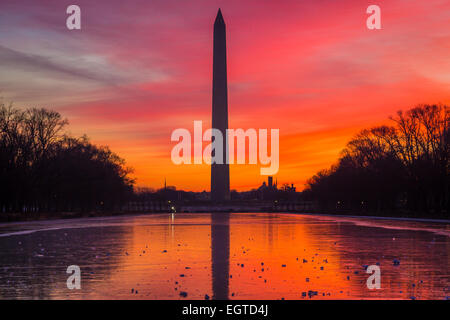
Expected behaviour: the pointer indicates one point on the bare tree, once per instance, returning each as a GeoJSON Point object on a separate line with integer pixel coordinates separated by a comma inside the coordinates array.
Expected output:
{"type": "Point", "coordinates": [410, 158]}
{"type": "Point", "coordinates": [44, 169]}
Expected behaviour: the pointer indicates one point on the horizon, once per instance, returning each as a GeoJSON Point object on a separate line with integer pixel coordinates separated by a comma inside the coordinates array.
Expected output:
{"type": "Point", "coordinates": [220, 155]}
{"type": "Point", "coordinates": [135, 73]}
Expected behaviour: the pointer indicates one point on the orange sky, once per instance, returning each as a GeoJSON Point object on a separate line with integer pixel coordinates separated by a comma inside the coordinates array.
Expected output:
{"type": "Point", "coordinates": [140, 69]}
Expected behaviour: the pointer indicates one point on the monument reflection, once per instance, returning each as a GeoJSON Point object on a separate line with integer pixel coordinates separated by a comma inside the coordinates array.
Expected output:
{"type": "Point", "coordinates": [220, 254]}
{"type": "Point", "coordinates": [225, 256]}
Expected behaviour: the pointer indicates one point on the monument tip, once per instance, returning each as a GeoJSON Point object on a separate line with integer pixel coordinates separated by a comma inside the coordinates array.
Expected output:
{"type": "Point", "coordinates": [219, 18]}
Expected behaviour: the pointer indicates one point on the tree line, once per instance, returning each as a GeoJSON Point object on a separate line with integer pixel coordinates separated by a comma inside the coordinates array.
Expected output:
{"type": "Point", "coordinates": [43, 169]}
{"type": "Point", "coordinates": [402, 166]}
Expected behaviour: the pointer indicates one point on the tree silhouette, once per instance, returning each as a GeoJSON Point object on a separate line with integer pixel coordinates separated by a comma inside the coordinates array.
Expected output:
{"type": "Point", "coordinates": [44, 170]}
{"type": "Point", "coordinates": [405, 165]}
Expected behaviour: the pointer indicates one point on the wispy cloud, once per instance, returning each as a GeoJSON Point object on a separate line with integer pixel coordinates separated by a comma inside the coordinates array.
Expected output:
{"type": "Point", "coordinates": [42, 65]}
{"type": "Point", "coordinates": [139, 69]}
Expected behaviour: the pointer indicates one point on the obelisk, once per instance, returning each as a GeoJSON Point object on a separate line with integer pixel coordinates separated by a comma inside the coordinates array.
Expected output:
{"type": "Point", "coordinates": [220, 173]}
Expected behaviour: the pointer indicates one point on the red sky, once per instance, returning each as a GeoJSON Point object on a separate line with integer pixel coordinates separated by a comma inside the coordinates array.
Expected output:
{"type": "Point", "coordinates": [140, 69]}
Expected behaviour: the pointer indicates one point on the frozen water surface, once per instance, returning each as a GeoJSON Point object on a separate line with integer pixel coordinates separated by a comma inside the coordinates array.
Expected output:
{"type": "Point", "coordinates": [225, 256]}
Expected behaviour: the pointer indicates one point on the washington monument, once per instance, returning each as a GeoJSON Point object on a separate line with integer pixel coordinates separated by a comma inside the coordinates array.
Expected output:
{"type": "Point", "coordinates": [220, 173]}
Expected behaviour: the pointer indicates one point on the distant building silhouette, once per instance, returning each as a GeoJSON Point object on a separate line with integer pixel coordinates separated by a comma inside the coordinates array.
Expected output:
{"type": "Point", "coordinates": [220, 173]}
{"type": "Point", "coordinates": [270, 181]}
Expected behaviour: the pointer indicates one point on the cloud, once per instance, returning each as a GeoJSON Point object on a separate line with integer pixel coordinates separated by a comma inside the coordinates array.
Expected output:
{"type": "Point", "coordinates": [34, 63]}
{"type": "Point", "coordinates": [139, 69]}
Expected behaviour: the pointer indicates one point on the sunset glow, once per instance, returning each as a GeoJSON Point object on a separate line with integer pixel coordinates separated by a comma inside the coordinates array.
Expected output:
{"type": "Point", "coordinates": [140, 69]}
